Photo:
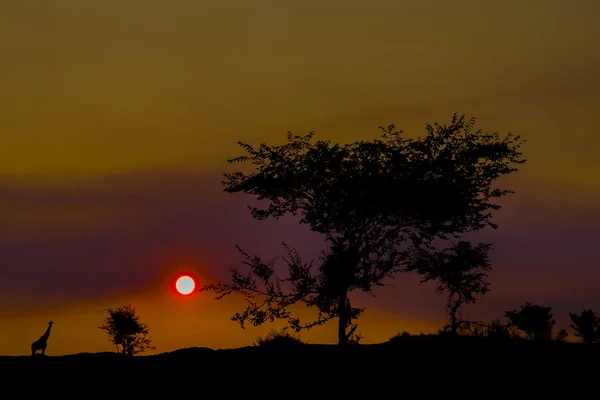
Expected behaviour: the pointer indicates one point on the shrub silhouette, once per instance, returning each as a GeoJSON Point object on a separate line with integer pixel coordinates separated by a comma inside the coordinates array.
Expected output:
{"type": "Point", "coordinates": [371, 200]}
{"type": "Point", "coordinates": [586, 326]}
{"type": "Point", "coordinates": [475, 330]}
{"type": "Point", "coordinates": [399, 336]}
{"type": "Point", "coordinates": [126, 332]}
{"type": "Point", "coordinates": [536, 321]}
{"type": "Point", "coordinates": [498, 330]}
{"type": "Point", "coordinates": [278, 339]}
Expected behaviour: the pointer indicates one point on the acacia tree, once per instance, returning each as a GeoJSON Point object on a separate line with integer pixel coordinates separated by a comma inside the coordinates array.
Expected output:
{"type": "Point", "coordinates": [126, 332]}
{"type": "Point", "coordinates": [461, 272]}
{"type": "Point", "coordinates": [586, 326]}
{"type": "Point", "coordinates": [371, 200]}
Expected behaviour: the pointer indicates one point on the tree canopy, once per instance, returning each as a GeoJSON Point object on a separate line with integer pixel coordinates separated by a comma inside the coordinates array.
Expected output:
{"type": "Point", "coordinates": [371, 200]}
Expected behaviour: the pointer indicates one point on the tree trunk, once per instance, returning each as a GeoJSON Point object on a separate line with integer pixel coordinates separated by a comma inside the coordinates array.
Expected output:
{"type": "Point", "coordinates": [454, 319]}
{"type": "Point", "coordinates": [343, 319]}
{"type": "Point", "coordinates": [345, 266]}
{"type": "Point", "coordinates": [453, 323]}
{"type": "Point", "coordinates": [454, 305]}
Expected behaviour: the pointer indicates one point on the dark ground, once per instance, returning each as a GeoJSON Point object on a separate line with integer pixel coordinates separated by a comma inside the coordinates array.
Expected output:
{"type": "Point", "coordinates": [476, 351]}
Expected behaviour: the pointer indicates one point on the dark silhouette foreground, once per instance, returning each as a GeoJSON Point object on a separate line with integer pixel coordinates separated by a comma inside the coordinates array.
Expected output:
{"type": "Point", "coordinates": [406, 347]}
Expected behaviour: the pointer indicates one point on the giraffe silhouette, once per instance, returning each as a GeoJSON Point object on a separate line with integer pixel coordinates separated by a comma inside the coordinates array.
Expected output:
{"type": "Point", "coordinates": [42, 342]}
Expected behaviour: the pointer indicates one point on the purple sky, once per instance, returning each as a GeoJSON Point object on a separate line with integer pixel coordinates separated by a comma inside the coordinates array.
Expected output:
{"type": "Point", "coordinates": [135, 225]}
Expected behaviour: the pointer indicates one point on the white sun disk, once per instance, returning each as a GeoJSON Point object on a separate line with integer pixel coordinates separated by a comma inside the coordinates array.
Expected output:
{"type": "Point", "coordinates": [185, 285]}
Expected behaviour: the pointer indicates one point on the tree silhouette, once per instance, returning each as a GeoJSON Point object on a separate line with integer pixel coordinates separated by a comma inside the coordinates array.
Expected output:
{"type": "Point", "coordinates": [371, 200]}
{"type": "Point", "coordinates": [461, 272]}
{"type": "Point", "coordinates": [586, 326]}
{"type": "Point", "coordinates": [126, 332]}
{"type": "Point", "coordinates": [535, 320]}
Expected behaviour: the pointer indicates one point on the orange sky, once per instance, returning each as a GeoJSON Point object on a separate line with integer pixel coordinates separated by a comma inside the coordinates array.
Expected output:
{"type": "Point", "coordinates": [116, 118]}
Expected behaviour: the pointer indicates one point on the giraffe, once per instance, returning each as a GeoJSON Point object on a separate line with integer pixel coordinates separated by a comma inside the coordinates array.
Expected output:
{"type": "Point", "coordinates": [42, 342]}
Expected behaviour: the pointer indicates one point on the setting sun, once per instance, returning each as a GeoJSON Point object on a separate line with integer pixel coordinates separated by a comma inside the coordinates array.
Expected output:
{"type": "Point", "coordinates": [185, 285]}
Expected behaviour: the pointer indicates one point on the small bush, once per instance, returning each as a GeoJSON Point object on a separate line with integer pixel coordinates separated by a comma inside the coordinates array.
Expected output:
{"type": "Point", "coordinates": [498, 330]}
{"type": "Point", "coordinates": [278, 338]}
{"type": "Point", "coordinates": [562, 335]}
{"type": "Point", "coordinates": [477, 331]}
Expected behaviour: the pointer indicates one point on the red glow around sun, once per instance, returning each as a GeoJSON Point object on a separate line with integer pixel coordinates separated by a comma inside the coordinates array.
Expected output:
{"type": "Point", "coordinates": [185, 284]}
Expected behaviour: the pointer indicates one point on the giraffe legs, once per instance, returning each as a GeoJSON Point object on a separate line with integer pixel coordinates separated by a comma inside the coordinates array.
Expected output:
{"type": "Point", "coordinates": [35, 346]}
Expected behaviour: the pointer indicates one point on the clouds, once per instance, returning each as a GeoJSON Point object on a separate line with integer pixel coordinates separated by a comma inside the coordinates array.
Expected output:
{"type": "Point", "coordinates": [91, 89]}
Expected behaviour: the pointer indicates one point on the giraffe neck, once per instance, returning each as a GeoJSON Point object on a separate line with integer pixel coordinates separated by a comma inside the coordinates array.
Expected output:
{"type": "Point", "coordinates": [47, 333]}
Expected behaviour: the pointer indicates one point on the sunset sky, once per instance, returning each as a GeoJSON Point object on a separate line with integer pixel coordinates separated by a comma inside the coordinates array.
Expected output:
{"type": "Point", "coordinates": [116, 118]}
